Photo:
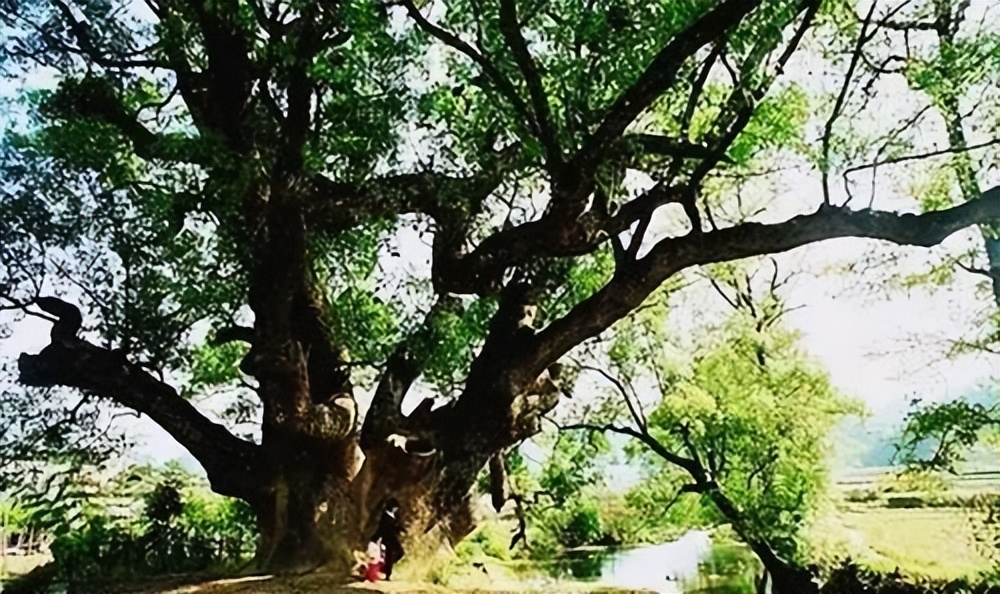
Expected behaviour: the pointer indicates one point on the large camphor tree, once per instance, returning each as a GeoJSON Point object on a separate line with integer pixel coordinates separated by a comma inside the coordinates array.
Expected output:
{"type": "Point", "coordinates": [206, 184]}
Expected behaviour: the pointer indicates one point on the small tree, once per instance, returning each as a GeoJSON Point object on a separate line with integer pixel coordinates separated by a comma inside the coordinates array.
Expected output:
{"type": "Point", "coordinates": [938, 437]}
{"type": "Point", "coordinates": [748, 421]}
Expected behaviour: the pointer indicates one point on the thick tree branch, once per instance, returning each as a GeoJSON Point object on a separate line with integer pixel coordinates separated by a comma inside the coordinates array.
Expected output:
{"type": "Point", "coordinates": [480, 270]}
{"type": "Point", "coordinates": [232, 334]}
{"type": "Point", "coordinates": [542, 111]}
{"type": "Point", "coordinates": [334, 206]}
{"type": "Point", "coordinates": [691, 466]}
{"type": "Point", "coordinates": [658, 77]}
{"type": "Point", "coordinates": [69, 361]}
{"type": "Point", "coordinates": [452, 202]}
{"type": "Point", "coordinates": [229, 75]}
{"type": "Point", "coordinates": [93, 98]}
{"type": "Point", "coordinates": [908, 25]}
{"type": "Point", "coordinates": [333, 410]}
{"type": "Point", "coordinates": [404, 365]}
{"type": "Point", "coordinates": [631, 286]}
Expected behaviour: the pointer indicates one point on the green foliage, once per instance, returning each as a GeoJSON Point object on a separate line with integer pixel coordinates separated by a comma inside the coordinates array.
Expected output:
{"type": "Point", "coordinates": [349, 259]}
{"type": "Point", "coordinates": [14, 517]}
{"type": "Point", "coordinates": [141, 522]}
{"type": "Point", "coordinates": [581, 526]}
{"type": "Point", "coordinates": [749, 406]}
{"type": "Point", "coordinates": [851, 578]}
{"type": "Point", "coordinates": [566, 513]}
{"type": "Point", "coordinates": [366, 324]}
{"type": "Point", "coordinates": [214, 365]}
{"type": "Point", "coordinates": [936, 193]}
{"type": "Point", "coordinates": [984, 511]}
{"type": "Point", "coordinates": [949, 430]}
{"type": "Point", "coordinates": [584, 278]}
{"type": "Point", "coordinates": [449, 347]}
{"type": "Point", "coordinates": [570, 466]}
{"type": "Point", "coordinates": [940, 436]}
{"type": "Point", "coordinates": [777, 123]}
{"type": "Point", "coordinates": [52, 425]}
{"type": "Point", "coordinates": [576, 522]}
{"type": "Point", "coordinates": [956, 67]}
{"type": "Point", "coordinates": [658, 513]}
{"type": "Point", "coordinates": [489, 540]}
{"type": "Point", "coordinates": [748, 421]}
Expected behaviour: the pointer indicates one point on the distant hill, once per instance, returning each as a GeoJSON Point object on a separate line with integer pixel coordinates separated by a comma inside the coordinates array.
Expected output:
{"type": "Point", "coordinates": [871, 442]}
{"type": "Point", "coordinates": [866, 444]}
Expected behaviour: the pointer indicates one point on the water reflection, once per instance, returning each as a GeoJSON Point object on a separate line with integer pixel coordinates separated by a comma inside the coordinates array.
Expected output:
{"type": "Point", "coordinates": [691, 564]}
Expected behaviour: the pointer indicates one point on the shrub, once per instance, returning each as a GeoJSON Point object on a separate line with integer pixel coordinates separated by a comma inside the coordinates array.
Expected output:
{"type": "Point", "coordinates": [490, 539]}
{"type": "Point", "coordinates": [906, 502]}
{"type": "Point", "coordinates": [175, 533]}
{"type": "Point", "coordinates": [582, 527]}
{"type": "Point", "coordinates": [984, 510]}
{"type": "Point", "coordinates": [850, 578]}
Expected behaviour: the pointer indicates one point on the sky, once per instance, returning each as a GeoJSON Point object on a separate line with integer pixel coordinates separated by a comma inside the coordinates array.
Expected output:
{"type": "Point", "coordinates": [883, 347]}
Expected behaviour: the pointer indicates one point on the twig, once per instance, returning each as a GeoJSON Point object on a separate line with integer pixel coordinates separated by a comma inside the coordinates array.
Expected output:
{"type": "Point", "coordinates": [839, 104]}
{"type": "Point", "coordinates": [905, 158]}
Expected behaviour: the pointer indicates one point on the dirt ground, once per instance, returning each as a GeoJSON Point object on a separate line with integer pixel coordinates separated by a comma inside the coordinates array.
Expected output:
{"type": "Point", "coordinates": [314, 583]}
{"type": "Point", "coordinates": [485, 578]}
{"type": "Point", "coordinates": [465, 582]}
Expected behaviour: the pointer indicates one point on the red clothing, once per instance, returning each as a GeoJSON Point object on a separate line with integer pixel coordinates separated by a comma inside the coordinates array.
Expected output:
{"type": "Point", "coordinates": [374, 571]}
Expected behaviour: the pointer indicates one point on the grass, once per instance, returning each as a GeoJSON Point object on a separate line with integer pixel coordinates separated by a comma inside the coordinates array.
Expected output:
{"type": "Point", "coordinates": [928, 542]}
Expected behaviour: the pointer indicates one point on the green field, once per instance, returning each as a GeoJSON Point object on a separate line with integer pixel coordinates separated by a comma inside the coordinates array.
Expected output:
{"type": "Point", "coordinates": [931, 542]}
{"type": "Point", "coordinates": [919, 527]}
{"type": "Point", "coordinates": [982, 480]}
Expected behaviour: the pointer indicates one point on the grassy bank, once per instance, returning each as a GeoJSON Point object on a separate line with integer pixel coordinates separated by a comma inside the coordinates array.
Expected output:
{"type": "Point", "coordinates": [931, 542]}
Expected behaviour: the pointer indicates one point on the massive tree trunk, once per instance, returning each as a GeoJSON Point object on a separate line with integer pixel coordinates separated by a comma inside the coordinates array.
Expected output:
{"type": "Point", "coordinates": [315, 499]}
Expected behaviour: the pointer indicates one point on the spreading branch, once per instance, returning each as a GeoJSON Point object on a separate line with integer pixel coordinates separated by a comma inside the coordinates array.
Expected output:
{"type": "Point", "coordinates": [634, 409]}
{"type": "Point", "coordinates": [501, 82]}
{"type": "Point", "coordinates": [658, 76]}
{"type": "Point", "coordinates": [643, 436]}
{"type": "Point", "coordinates": [630, 286]}
{"type": "Point", "coordinates": [72, 362]}
{"type": "Point", "coordinates": [744, 100]}
{"type": "Point", "coordinates": [88, 47]}
{"type": "Point", "coordinates": [402, 368]}
{"type": "Point", "coordinates": [921, 156]}
{"type": "Point", "coordinates": [841, 97]}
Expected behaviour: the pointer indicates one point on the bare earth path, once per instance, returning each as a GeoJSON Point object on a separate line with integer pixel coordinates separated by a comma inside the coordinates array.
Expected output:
{"type": "Point", "coordinates": [315, 583]}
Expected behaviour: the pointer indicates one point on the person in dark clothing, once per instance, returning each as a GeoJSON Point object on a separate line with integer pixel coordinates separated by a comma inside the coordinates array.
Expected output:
{"type": "Point", "coordinates": [390, 528]}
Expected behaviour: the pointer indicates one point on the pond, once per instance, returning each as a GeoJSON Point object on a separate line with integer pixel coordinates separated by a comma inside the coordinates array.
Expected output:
{"type": "Point", "coordinates": [688, 565]}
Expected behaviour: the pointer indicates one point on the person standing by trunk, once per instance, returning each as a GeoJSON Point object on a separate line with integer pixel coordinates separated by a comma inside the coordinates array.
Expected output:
{"type": "Point", "coordinates": [390, 528]}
